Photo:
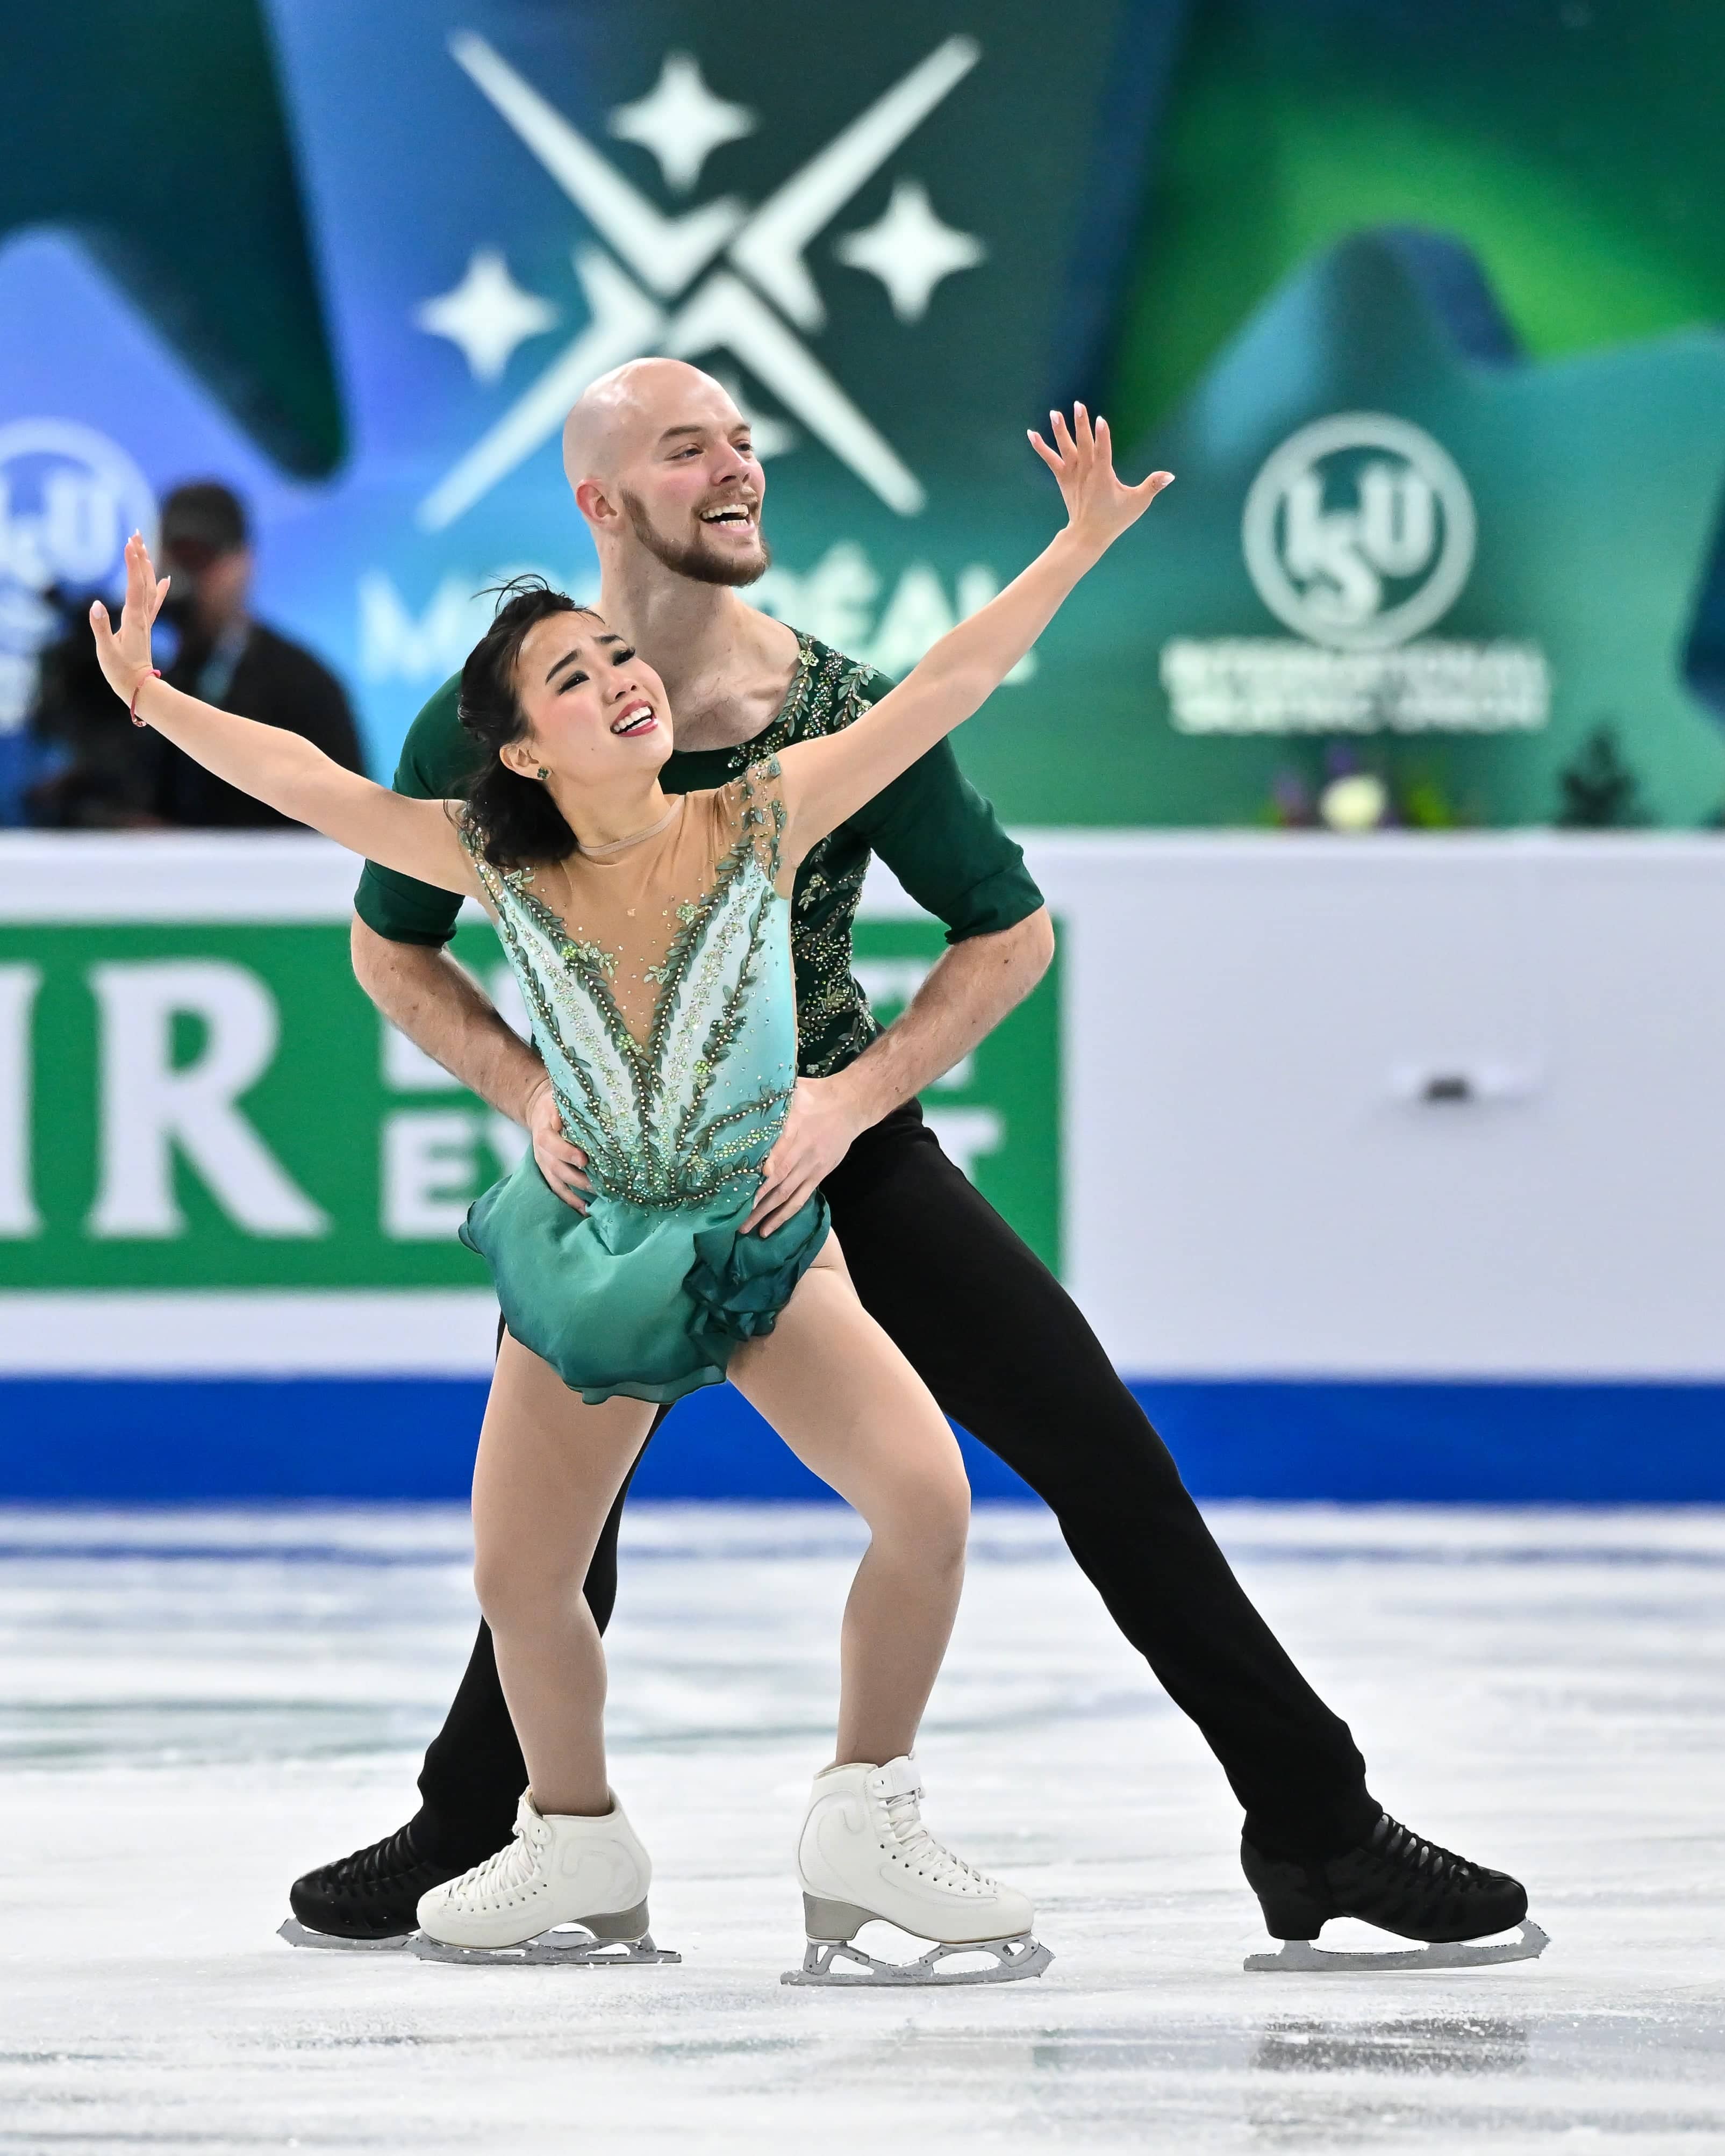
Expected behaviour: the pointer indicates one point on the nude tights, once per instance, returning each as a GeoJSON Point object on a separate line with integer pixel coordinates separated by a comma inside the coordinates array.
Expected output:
{"type": "Point", "coordinates": [844, 1400]}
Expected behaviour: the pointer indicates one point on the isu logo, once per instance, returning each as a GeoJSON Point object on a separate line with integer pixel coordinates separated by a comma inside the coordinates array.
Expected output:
{"type": "Point", "coordinates": [1359, 531]}
{"type": "Point", "coordinates": [717, 278]}
{"type": "Point", "coordinates": [69, 497]}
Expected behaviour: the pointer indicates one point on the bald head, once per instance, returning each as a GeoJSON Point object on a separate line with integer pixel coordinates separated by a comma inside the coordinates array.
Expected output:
{"type": "Point", "coordinates": [622, 416]}
{"type": "Point", "coordinates": [662, 465]}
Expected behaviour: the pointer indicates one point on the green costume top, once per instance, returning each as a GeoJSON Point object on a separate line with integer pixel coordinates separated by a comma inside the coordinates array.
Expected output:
{"type": "Point", "coordinates": [932, 829]}
{"type": "Point", "coordinates": [659, 983]}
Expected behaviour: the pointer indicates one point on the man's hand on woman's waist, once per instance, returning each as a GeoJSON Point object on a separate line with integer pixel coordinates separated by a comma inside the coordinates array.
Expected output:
{"type": "Point", "coordinates": [824, 1115]}
{"type": "Point", "coordinates": [563, 1165]}
{"type": "Point", "coordinates": [968, 991]}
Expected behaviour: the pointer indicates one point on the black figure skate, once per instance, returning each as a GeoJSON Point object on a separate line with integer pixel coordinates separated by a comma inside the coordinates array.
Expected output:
{"type": "Point", "coordinates": [369, 1900]}
{"type": "Point", "coordinates": [1401, 1884]}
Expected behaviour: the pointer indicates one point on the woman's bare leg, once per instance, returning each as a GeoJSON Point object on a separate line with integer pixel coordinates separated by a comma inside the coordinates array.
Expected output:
{"type": "Point", "coordinates": [852, 1409]}
{"type": "Point", "coordinates": [549, 1468]}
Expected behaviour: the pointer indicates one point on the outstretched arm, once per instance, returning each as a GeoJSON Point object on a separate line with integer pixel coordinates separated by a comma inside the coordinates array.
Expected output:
{"type": "Point", "coordinates": [826, 781]}
{"type": "Point", "coordinates": [416, 837]}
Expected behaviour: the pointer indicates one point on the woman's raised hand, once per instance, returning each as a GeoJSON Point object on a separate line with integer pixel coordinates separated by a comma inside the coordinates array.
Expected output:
{"type": "Point", "coordinates": [1098, 506]}
{"type": "Point", "coordinates": [124, 657]}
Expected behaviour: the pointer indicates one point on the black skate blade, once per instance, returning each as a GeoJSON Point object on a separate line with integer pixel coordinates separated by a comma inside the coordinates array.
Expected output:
{"type": "Point", "coordinates": [1302, 1957]}
{"type": "Point", "coordinates": [823, 1964]}
{"type": "Point", "coordinates": [565, 1947]}
{"type": "Point", "coordinates": [301, 1935]}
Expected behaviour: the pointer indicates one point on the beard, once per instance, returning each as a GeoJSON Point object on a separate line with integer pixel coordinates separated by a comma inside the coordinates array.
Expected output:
{"type": "Point", "coordinates": [694, 558]}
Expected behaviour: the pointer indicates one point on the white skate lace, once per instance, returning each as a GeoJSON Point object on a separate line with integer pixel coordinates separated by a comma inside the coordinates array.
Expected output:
{"type": "Point", "coordinates": [512, 1867]}
{"type": "Point", "coordinates": [919, 1846]}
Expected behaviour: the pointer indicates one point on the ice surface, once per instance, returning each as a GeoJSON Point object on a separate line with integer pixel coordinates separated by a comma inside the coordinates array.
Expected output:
{"type": "Point", "coordinates": [197, 1706]}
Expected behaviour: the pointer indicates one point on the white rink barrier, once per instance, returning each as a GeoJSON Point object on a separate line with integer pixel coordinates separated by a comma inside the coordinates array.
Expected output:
{"type": "Point", "coordinates": [1442, 1106]}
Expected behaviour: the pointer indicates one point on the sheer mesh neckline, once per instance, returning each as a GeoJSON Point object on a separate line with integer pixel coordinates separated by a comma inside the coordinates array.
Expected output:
{"type": "Point", "coordinates": [613, 847]}
{"type": "Point", "coordinates": [629, 925]}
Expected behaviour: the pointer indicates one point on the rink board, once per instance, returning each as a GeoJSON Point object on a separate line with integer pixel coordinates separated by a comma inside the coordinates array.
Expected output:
{"type": "Point", "coordinates": [169, 1440]}
{"type": "Point", "coordinates": [1383, 1168]}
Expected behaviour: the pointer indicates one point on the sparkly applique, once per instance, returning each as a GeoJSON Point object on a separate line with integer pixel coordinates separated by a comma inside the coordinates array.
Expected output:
{"type": "Point", "coordinates": [828, 693]}
{"type": "Point", "coordinates": [674, 1117]}
{"type": "Point", "coordinates": [593, 955]}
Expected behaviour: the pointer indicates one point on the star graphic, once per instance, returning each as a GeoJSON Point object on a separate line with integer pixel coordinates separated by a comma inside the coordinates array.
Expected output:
{"type": "Point", "coordinates": [909, 250]}
{"type": "Point", "coordinates": [681, 122]}
{"type": "Point", "coordinates": [650, 258]}
{"type": "Point", "coordinates": [487, 315]}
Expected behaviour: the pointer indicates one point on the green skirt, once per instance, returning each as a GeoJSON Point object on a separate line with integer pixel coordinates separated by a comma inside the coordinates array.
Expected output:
{"type": "Point", "coordinates": [649, 1301]}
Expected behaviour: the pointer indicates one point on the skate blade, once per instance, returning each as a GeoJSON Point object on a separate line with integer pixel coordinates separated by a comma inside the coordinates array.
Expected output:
{"type": "Point", "coordinates": [565, 1947]}
{"type": "Point", "coordinates": [301, 1935]}
{"type": "Point", "coordinates": [1301, 1956]}
{"type": "Point", "coordinates": [824, 1963]}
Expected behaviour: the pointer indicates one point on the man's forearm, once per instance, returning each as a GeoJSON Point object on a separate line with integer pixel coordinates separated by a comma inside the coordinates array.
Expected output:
{"type": "Point", "coordinates": [442, 1009]}
{"type": "Point", "coordinates": [967, 993]}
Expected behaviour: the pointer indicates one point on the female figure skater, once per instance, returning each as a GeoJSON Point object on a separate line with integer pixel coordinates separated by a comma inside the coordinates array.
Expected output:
{"type": "Point", "coordinates": [650, 935]}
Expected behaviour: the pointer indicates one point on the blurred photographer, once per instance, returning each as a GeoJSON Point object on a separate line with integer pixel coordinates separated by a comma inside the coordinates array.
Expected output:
{"type": "Point", "coordinates": [93, 770]}
{"type": "Point", "coordinates": [232, 660]}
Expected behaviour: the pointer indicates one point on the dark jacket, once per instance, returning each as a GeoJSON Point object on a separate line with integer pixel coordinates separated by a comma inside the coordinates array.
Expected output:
{"type": "Point", "coordinates": [280, 684]}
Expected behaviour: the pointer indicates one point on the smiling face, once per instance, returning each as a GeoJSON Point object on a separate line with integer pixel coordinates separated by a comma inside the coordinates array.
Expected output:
{"type": "Point", "coordinates": [659, 453]}
{"type": "Point", "coordinates": [595, 712]}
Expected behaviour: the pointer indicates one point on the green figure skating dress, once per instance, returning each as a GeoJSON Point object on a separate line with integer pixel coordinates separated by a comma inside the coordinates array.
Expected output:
{"type": "Point", "coordinates": [664, 1007]}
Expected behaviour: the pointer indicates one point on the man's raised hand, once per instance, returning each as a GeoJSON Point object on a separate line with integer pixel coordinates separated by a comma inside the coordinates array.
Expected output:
{"type": "Point", "coordinates": [1098, 506]}
{"type": "Point", "coordinates": [125, 656]}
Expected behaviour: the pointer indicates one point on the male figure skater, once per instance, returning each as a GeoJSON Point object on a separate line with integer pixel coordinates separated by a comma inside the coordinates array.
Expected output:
{"type": "Point", "coordinates": [662, 468]}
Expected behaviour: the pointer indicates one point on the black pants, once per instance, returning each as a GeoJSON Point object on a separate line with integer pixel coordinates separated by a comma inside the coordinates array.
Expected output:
{"type": "Point", "coordinates": [1009, 1355]}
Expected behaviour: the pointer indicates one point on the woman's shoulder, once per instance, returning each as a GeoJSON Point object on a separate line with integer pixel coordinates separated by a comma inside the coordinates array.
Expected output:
{"type": "Point", "coordinates": [752, 795]}
{"type": "Point", "coordinates": [763, 775]}
{"type": "Point", "coordinates": [752, 812]}
{"type": "Point", "coordinates": [730, 802]}
{"type": "Point", "coordinates": [515, 876]}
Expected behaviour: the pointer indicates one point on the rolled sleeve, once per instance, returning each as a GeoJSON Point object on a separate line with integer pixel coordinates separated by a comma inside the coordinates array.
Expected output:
{"type": "Point", "coordinates": [403, 910]}
{"type": "Point", "coordinates": [435, 759]}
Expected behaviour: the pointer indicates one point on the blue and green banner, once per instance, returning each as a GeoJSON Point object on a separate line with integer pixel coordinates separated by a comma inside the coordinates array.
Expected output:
{"type": "Point", "coordinates": [1422, 305]}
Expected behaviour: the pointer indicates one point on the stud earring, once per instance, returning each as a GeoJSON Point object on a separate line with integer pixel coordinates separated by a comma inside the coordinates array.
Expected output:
{"type": "Point", "coordinates": [543, 773]}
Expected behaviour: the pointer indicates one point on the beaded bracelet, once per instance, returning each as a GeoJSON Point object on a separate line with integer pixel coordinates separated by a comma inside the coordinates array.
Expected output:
{"type": "Point", "coordinates": [154, 674]}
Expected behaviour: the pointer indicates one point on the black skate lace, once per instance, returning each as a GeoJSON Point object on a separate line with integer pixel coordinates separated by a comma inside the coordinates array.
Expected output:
{"type": "Point", "coordinates": [384, 1860]}
{"type": "Point", "coordinates": [1431, 1864]}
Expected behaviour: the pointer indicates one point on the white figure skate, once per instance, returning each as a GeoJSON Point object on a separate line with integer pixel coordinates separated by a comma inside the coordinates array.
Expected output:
{"type": "Point", "coordinates": [566, 1892]}
{"type": "Point", "coordinates": [864, 1855]}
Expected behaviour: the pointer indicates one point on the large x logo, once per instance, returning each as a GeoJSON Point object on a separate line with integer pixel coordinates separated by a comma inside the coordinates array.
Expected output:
{"type": "Point", "coordinates": [667, 253]}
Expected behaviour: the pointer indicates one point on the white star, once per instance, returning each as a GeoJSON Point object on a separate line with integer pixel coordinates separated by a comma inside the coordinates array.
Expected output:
{"type": "Point", "coordinates": [487, 315]}
{"type": "Point", "coordinates": [681, 122]}
{"type": "Point", "coordinates": [909, 250]}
